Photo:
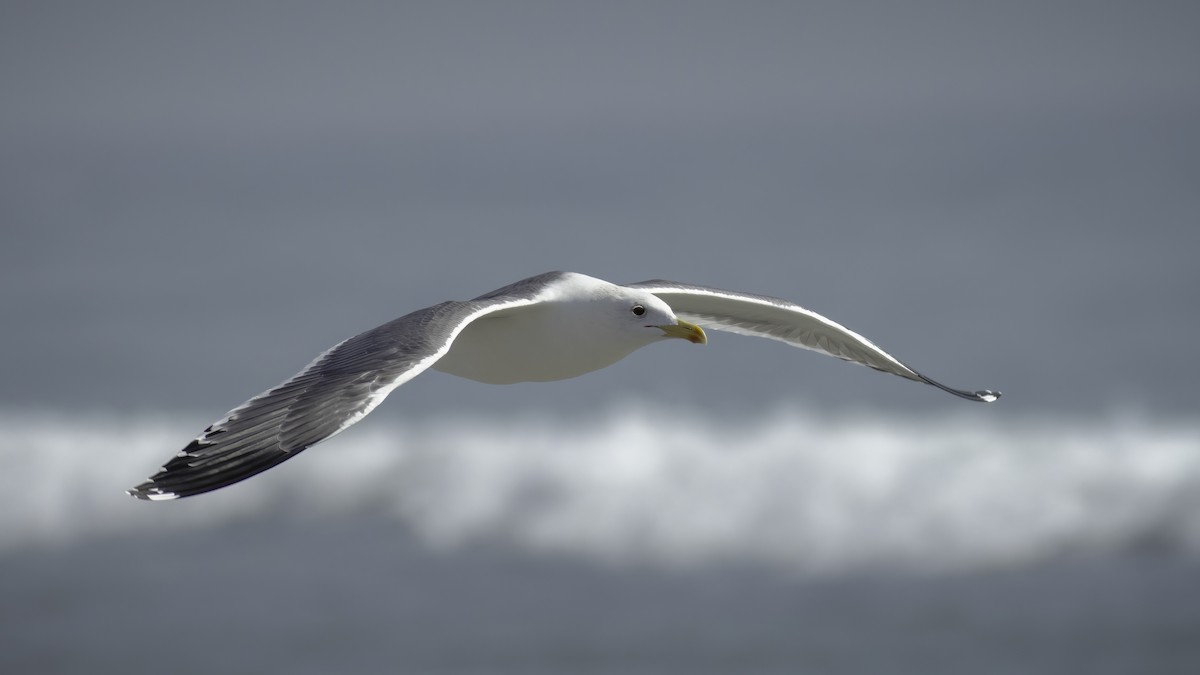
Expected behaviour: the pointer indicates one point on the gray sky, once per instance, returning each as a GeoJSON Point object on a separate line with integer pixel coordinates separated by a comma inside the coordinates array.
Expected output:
{"type": "Point", "coordinates": [197, 198]}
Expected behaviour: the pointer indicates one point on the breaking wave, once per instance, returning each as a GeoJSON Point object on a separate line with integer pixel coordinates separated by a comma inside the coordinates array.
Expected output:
{"type": "Point", "coordinates": [793, 489]}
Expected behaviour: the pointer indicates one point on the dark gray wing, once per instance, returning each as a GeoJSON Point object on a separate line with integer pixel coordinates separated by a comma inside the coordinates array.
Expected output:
{"type": "Point", "coordinates": [336, 390]}
{"type": "Point", "coordinates": [776, 319]}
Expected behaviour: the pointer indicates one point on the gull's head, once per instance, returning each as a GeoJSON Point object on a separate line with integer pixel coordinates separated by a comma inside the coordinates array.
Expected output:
{"type": "Point", "coordinates": [617, 318]}
{"type": "Point", "coordinates": [647, 315]}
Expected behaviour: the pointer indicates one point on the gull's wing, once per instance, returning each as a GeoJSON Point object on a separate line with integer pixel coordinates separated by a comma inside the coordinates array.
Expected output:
{"type": "Point", "coordinates": [763, 316]}
{"type": "Point", "coordinates": [336, 390]}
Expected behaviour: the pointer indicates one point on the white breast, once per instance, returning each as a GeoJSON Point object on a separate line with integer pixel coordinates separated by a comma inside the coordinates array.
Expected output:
{"type": "Point", "coordinates": [540, 343]}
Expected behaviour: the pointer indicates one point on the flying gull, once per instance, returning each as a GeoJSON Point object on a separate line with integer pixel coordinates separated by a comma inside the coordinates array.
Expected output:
{"type": "Point", "coordinates": [549, 327]}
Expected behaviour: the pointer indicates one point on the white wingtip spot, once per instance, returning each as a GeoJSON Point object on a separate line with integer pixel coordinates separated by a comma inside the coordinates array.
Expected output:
{"type": "Point", "coordinates": [152, 494]}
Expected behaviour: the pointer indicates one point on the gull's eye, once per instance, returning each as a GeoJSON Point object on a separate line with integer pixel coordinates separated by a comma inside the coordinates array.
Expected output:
{"type": "Point", "coordinates": [638, 310]}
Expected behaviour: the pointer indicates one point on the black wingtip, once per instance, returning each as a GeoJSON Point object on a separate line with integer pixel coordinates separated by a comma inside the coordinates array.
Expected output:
{"type": "Point", "coordinates": [981, 396]}
{"type": "Point", "coordinates": [204, 466]}
{"type": "Point", "coordinates": [149, 492]}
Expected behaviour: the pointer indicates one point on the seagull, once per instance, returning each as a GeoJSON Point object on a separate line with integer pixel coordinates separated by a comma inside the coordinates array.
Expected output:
{"type": "Point", "coordinates": [552, 326]}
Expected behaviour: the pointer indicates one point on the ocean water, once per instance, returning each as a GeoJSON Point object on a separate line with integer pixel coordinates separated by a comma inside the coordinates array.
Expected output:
{"type": "Point", "coordinates": [793, 490]}
{"type": "Point", "coordinates": [640, 539]}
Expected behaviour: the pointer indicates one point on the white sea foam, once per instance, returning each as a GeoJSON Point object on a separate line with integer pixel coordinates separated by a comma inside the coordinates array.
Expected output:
{"type": "Point", "coordinates": [791, 489]}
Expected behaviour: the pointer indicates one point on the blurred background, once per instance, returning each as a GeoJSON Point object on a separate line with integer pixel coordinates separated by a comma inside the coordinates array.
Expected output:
{"type": "Point", "coordinates": [197, 198]}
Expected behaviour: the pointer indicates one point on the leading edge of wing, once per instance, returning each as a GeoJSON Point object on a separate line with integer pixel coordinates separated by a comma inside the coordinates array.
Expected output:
{"type": "Point", "coordinates": [762, 316]}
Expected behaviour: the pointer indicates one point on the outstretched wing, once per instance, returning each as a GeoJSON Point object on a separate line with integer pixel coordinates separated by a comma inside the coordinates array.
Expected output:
{"type": "Point", "coordinates": [763, 316]}
{"type": "Point", "coordinates": [336, 390]}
